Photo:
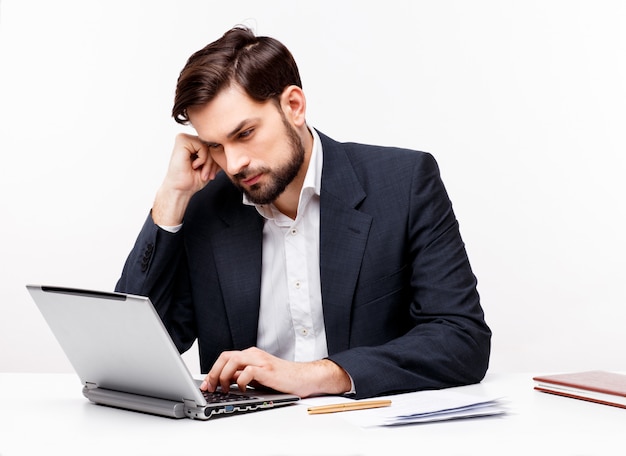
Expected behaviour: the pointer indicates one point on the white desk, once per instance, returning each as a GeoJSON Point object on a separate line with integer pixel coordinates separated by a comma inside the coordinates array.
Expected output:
{"type": "Point", "coordinates": [47, 414]}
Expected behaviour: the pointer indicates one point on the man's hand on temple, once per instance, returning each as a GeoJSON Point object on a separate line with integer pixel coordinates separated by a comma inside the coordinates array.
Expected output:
{"type": "Point", "coordinates": [191, 168]}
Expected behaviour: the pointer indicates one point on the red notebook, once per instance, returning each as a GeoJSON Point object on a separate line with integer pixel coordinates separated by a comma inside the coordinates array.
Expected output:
{"type": "Point", "coordinates": [596, 386]}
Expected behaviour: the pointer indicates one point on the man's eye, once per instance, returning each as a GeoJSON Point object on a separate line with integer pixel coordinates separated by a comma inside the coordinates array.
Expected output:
{"type": "Point", "coordinates": [246, 133]}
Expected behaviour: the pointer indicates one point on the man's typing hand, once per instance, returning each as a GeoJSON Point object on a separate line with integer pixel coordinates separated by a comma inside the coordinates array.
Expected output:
{"type": "Point", "coordinates": [256, 367]}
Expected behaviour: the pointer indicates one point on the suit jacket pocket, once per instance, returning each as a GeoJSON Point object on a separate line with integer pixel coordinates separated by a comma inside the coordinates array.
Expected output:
{"type": "Point", "coordinates": [370, 291]}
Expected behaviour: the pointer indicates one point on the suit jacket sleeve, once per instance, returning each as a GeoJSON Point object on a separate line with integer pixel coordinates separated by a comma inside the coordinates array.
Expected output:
{"type": "Point", "coordinates": [416, 320]}
{"type": "Point", "coordinates": [156, 267]}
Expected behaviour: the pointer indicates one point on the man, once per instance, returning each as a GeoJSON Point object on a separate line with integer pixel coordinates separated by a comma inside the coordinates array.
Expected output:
{"type": "Point", "coordinates": [297, 262]}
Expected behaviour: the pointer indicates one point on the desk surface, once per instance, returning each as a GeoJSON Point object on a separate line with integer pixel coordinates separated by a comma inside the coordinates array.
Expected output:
{"type": "Point", "coordinates": [57, 419]}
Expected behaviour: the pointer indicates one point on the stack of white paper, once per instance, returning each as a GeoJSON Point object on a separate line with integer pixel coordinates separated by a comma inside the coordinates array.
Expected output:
{"type": "Point", "coordinates": [427, 406]}
{"type": "Point", "coordinates": [422, 407]}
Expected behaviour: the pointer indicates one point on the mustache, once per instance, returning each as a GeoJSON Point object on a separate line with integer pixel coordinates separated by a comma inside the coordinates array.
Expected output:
{"type": "Point", "coordinates": [247, 172]}
{"type": "Point", "coordinates": [242, 175]}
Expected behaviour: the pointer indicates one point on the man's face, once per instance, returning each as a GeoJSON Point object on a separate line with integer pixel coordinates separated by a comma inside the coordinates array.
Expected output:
{"type": "Point", "coordinates": [260, 151]}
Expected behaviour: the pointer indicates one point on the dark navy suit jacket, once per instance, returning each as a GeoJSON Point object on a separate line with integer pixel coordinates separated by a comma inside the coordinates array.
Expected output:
{"type": "Point", "coordinates": [399, 298]}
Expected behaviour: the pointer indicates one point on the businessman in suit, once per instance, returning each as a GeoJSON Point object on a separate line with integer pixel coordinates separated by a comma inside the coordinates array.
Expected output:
{"type": "Point", "coordinates": [300, 263]}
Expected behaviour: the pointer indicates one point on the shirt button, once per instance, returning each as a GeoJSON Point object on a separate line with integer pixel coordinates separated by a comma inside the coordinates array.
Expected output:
{"type": "Point", "coordinates": [294, 231]}
{"type": "Point", "coordinates": [304, 332]}
{"type": "Point", "coordinates": [297, 284]}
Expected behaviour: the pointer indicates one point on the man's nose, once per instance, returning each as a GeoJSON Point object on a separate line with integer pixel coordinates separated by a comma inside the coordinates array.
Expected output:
{"type": "Point", "coordinates": [236, 160]}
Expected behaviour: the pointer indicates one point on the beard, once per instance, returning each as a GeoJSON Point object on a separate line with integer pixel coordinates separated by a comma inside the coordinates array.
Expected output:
{"type": "Point", "coordinates": [279, 178]}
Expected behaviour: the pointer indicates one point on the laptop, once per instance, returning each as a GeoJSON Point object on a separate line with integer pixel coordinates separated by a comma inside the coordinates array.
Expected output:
{"type": "Point", "coordinates": [125, 358]}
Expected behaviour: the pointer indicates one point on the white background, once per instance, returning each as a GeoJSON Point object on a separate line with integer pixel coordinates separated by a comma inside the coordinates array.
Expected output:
{"type": "Point", "coordinates": [523, 103]}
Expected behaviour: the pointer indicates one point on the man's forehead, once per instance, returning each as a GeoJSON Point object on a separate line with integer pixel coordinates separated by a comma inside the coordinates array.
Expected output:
{"type": "Point", "coordinates": [211, 133]}
{"type": "Point", "coordinates": [227, 114]}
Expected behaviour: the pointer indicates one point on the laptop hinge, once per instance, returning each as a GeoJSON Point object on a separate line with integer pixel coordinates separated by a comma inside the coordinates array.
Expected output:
{"type": "Point", "coordinates": [90, 385]}
{"type": "Point", "coordinates": [190, 404]}
{"type": "Point", "coordinates": [193, 411]}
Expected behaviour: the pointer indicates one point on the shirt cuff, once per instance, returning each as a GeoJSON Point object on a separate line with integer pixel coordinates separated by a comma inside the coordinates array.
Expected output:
{"type": "Point", "coordinates": [171, 229]}
{"type": "Point", "coordinates": [352, 391]}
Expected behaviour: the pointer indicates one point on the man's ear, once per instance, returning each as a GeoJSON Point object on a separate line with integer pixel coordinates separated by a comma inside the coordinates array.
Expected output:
{"type": "Point", "coordinates": [293, 104]}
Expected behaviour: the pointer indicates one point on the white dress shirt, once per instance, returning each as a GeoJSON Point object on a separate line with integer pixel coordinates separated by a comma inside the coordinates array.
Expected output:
{"type": "Point", "coordinates": [291, 320]}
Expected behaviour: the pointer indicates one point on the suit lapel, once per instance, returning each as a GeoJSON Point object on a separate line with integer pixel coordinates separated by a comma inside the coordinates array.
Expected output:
{"type": "Point", "coordinates": [238, 250]}
{"type": "Point", "coordinates": [343, 236]}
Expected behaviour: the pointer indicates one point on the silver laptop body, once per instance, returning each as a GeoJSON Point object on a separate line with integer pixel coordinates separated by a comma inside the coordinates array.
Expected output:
{"type": "Point", "coordinates": [125, 357]}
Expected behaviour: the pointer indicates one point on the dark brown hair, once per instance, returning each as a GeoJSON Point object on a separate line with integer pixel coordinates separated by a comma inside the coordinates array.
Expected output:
{"type": "Point", "coordinates": [262, 66]}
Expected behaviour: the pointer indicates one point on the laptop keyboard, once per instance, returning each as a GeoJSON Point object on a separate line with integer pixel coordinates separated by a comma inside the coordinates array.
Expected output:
{"type": "Point", "coordinates": [219, 397]}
